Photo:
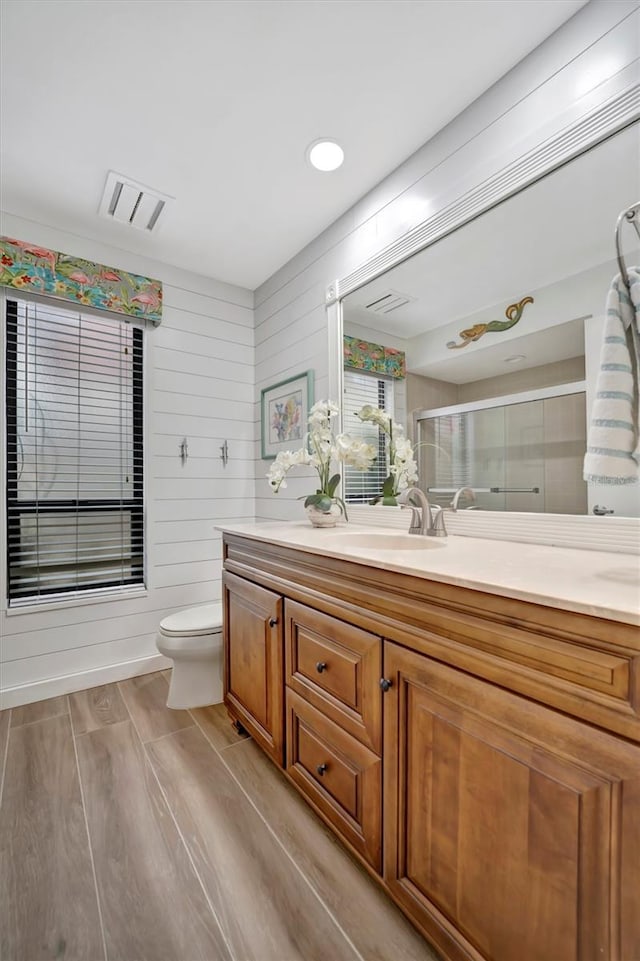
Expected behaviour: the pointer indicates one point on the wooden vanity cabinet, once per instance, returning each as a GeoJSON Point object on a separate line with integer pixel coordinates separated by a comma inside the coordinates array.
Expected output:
{"type": "Point", "coordinates": [492, 783]}
{"type": "Point", "coordinates": [511, 831]}
{"type": "Point", "coordinates": [253, 662]}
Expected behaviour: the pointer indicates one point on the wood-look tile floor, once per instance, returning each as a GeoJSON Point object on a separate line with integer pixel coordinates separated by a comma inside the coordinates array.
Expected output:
{"type": "Point", "coordinates": [131, 832]}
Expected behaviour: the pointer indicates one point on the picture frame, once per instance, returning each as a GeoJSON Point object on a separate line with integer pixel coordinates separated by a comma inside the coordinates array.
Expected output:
{"type": "Point", "coordinates": [284, 409]}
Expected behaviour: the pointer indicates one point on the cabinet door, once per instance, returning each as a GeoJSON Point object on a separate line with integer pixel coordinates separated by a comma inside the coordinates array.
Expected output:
{"type": "Point", "coordinates": [253, 675]}
{"type": "Point", "coordinates": [511, 832]}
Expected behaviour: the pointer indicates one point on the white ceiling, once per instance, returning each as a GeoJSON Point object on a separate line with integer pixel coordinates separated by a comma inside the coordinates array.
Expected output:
{"type": "Point", "coordinates": [215, 101]}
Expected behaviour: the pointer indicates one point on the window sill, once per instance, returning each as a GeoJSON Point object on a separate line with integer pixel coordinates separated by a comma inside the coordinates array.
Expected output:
{"type": "Point", "coordinates": [88, 600]}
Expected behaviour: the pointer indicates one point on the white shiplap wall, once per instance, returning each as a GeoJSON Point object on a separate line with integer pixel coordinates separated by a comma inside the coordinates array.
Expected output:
{"type": "Point", "coordinates": [203, 383]}
{"type": "Point", "coordinates": [199, 374]}
{"type": "Point", "coordinates": [559, 83]}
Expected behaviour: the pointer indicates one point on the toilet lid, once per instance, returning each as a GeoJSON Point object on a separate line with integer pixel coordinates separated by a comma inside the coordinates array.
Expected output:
{"type": "Point", "coordinates": [194, 620]}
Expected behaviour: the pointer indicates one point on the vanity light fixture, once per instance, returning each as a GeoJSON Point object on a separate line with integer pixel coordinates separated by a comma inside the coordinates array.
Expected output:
{"type": "Point", "coordinates": [325, 155]}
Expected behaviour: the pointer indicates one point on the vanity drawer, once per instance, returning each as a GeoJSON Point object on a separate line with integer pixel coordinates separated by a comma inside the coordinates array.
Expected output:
{"type": "Point", "coordinates": [337, 774]}
{"type": "Point", "coordinates": [337, 668]}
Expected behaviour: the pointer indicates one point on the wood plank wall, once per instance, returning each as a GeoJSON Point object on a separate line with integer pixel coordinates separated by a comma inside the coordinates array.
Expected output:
{"type": "Point", "coordinates": [199, 385]}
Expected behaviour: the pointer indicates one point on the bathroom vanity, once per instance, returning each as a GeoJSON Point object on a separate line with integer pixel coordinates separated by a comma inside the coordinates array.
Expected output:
{"type": "Point", "coordinates": [464, 715]}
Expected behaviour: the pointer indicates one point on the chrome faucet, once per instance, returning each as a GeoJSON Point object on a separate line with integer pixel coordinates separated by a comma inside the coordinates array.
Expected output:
{"type": "Point", "coordinates": [431, 523]}
{"type": "Point", "coordinates": [458, 494]}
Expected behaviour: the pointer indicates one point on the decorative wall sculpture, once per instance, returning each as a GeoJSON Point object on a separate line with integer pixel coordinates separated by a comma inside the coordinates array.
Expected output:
{"type": "Point", "coordinates": [513, 313]}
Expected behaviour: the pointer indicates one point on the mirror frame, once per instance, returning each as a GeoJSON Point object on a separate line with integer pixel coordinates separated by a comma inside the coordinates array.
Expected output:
{"type": "Point", "coordinates": [571, 530]}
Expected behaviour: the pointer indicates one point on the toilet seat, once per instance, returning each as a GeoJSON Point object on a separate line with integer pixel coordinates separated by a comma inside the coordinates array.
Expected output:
{"type": "Point", "coordinates": [189, 646]}
{"type": "Point", "coordinates": [193, 622]}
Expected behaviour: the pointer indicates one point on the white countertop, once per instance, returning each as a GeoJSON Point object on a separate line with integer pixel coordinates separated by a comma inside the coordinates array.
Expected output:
{"type": "Point", "coordinates": [599, 583]}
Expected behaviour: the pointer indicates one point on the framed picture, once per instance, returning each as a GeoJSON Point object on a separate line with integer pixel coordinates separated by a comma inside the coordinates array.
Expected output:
{"type": "Point", "coordinates": [284, 411]}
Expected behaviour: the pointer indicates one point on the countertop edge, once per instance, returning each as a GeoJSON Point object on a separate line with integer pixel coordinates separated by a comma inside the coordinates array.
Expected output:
{"type": "Point", "coordinates": [295, 535]}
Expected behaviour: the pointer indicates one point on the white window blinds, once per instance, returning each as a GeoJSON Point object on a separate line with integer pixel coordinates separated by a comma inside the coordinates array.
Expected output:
{"type": "Point", "coordinates": [74, 451]}
{"type": "Point", "coordinates": [360, 389]}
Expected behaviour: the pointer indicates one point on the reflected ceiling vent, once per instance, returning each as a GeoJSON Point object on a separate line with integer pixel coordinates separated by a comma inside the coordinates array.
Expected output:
{"type": "Point", "coordinates": [132, 203]}
{"type": "Point", "coordinates": [387, 301]}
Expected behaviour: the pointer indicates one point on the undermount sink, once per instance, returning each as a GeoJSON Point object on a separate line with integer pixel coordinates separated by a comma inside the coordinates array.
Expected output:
{"type": "Point", "coordinates": [388, 541]}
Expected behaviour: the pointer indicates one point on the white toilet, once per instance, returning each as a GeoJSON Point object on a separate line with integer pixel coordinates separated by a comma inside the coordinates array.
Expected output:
{"type": "Point", "coordinates": [193, 640]}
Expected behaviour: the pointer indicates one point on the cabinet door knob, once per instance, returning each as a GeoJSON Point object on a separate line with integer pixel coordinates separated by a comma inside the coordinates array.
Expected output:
{"type": "Point", "coordinates": [385, 684]}
{"type": "Point", "coordinates": [321, 666]}
{"type": "Point", "coordinates": [321, 768]}
{"type": "Point", "coordinates": [273, 621]}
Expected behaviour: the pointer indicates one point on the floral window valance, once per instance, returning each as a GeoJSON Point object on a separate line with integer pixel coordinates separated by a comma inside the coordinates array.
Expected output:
{"type": "Point", "coordinates": [38, 270]}
{"type": "Point", "coordinates": [363, 355]}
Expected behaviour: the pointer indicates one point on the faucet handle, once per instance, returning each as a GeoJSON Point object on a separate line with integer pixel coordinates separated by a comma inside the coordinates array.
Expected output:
{"type": "Point", "coordinates": [438, 528]}
{"type": "Point", "coordinates": [416, 521]}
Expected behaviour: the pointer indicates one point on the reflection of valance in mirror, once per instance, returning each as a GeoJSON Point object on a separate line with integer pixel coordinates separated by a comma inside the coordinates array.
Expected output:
{"type": "Point", "coordinates": [39, 270]}
{"type": "Point", "coordinates": [363, 355]}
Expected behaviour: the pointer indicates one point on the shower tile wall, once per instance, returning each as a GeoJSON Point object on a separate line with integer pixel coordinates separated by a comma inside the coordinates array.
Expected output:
{"type": "Point", "coordinates": [524, 457]}
{"type": "Point", "coordinates": [546, 375]}
{"type": "Point", "coordinates": [565, 438]}
{"type": "Point", "coordinates": [486, 440]}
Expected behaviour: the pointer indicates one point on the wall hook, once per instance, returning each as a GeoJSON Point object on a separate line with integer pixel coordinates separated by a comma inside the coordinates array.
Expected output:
{"type": "Point", "coordinates": [183, 447]}
{"type": "Point", "coordinates": [224, 453]}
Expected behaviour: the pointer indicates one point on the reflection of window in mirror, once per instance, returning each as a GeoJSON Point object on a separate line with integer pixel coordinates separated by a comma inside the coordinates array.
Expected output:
{"type": "Point", "coordinates": [515, 402]}
{"type": "Point", "coordinates": [376, 389]}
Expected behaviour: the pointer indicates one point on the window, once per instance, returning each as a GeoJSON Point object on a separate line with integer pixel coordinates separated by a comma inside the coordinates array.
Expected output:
{"type": "Point", "coordinates": [360, 389]}
{"type": "Point", "coordinates": [74, 452]}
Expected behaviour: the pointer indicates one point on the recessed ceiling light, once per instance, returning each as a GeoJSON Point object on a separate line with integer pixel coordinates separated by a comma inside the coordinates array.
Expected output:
{"type": "Point", "coordinates": [325, 155]}
{"type": "Point", "coordinates": [515, 358]}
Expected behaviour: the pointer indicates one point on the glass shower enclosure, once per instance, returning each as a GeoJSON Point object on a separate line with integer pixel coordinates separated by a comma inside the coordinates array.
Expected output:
{"type": "Point", "coordinates": [518, 453]}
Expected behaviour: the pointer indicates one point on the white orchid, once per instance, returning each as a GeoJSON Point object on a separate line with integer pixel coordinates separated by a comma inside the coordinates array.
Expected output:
{"type": "Point", "coordinates": [285, 460]}
{"type": "Point", "coordinates": [375, 416]}
{"type": "Point", "coordinates": [403, 470]}
{"type": "Point", "coordinates": [354, 452]}
{"type": "Point", "coordinates": [322, 448]}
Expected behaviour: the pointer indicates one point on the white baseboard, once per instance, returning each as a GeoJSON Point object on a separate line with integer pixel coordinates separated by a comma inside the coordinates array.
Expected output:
{"type": "Point", "coordinates": [67, 683]}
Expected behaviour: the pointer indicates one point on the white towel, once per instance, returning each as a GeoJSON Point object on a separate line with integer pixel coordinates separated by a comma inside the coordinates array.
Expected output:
{"type": "Point", "coordinates": [613, 444]}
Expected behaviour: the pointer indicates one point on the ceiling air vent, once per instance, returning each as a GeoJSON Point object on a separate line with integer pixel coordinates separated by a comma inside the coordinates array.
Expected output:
{"type": "Point", "coordinates": [387, 301]}
{"type": "Point", "coordinates": [131, 202]}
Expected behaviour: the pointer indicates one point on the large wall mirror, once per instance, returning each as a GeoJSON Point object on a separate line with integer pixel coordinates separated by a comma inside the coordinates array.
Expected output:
{"type": "Point", "coordinates": [501, 323]}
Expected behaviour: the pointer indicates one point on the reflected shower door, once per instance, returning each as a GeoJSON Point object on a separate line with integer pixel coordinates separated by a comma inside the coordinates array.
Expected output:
{"type": "Point", "coordinates": [517, 457]}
